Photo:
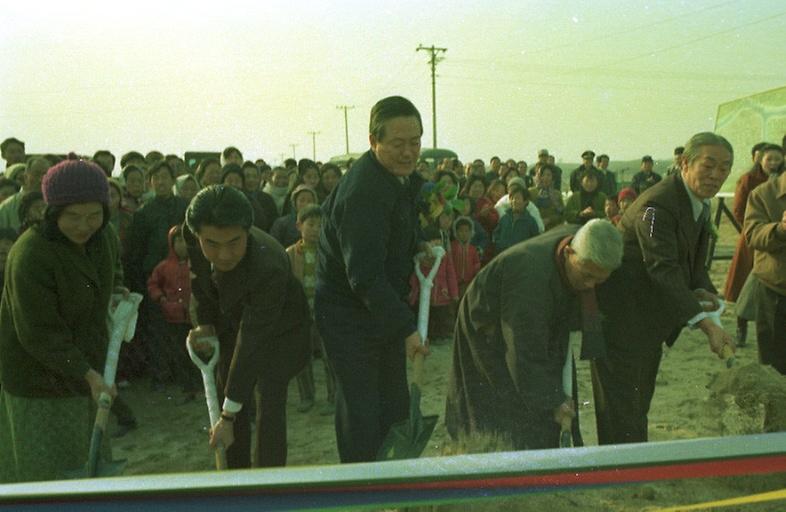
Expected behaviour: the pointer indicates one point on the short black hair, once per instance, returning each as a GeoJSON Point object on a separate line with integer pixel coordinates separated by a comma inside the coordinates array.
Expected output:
{"type": "Point", "coordinates": [388, 108]}
{"type": "Point", "coordinates": [153, 156]}
{"type": "Point", "coordinates": [757, 147]}
{"type": "Point", "coordinates": [157, 166]}
{"type": "Point", "coordinates": [7, 142]}
{"type": "Point", "coordinates": [131, 155]}
{"type": "Point", "coordinates": [232, 169]}
{"type": "Point", "coordinates": [311, 211]}
{"type": "Point", "coordinates": [601, 157]}
{"type": "Point", "coordinates": [290, 163]}
{"type": "Point", "coordinates": [220, 206]}
{"type": "Point", "coordinates": [328, 167]}
{"type": "Point", "coordinates": [462, 221]}
{"type": "Point", "coordinates": [229, 150]}
{"type": "Point", "coordinates": [128, 169]}
{"type": "Point", "coordinates": [679, 150]}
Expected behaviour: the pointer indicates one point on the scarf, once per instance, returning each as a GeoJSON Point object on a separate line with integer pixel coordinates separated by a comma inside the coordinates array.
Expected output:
{"type": "Point", "coordinates": [593, 343]}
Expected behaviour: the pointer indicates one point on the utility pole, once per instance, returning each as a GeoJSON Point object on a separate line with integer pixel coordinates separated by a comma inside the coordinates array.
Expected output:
{"type": "Point", "coordinates": [314, 144]}
{"type": "Point", "coordinates": [433, 61]}
{"type": "Point", "coordinates": [346, 123]}
{"type": "Point", "coordinates": [293, 146]}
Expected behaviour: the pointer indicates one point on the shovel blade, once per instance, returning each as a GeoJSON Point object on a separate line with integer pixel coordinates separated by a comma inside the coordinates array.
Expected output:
{"type": "Point", "coordinates": [408, 438]}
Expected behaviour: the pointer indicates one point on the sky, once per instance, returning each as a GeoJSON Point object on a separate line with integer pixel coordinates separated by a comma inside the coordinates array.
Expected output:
{"type": "Point", "coordinates": [622, 78]}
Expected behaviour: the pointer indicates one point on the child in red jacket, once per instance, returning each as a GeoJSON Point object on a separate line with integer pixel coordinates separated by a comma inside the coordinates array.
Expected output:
{"type": "Point", "coordinates": [170, 286]}
{"type": "Point", "coordinates": [444, 293]}
{"type": "Point", "coordinates": [466, 260]}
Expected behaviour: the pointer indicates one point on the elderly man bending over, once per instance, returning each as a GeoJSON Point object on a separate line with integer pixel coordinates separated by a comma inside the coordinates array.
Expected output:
{"type": "Point", "coordinates": [512, 332]}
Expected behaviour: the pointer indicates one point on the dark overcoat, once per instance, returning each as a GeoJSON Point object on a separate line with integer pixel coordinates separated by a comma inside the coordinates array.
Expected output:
{"type": "Point", "coordinates": [510, 345]}
{"type": "Point", "coordinates": [650, 297]}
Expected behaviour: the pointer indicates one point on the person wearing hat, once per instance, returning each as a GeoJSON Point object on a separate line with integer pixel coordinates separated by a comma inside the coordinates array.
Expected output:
{"type": "Point", "coordinates": [586, 165]}
{"type": "Point", "coordinates": [284, 229]}
{"type": "Point", "coordinates": [59, 279]}
{"type": "Point", "coordinates": [646, 177]}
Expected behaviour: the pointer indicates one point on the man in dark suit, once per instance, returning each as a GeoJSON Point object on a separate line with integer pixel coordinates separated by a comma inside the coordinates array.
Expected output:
{"type": "Point", "coordinates": [661, 287]}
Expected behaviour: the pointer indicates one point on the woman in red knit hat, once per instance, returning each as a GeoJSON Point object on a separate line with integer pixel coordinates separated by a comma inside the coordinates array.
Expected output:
{"type": "Point", "coordinates": [60, 275]}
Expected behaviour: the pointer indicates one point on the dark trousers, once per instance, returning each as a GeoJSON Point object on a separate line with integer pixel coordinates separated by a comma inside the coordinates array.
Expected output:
{"type": "Point", "coordinates": [371, 380]}
{"type": "Point", "coordinates": [623, 385]}
{"type": "Point", "coordinates": [153, 327]}
{"type": "Point", "coordinates": [178, 361]}
{"type": "Point", "coordinates": [771, 328]}
{"type": "Point", "coordinates": [270, 443]}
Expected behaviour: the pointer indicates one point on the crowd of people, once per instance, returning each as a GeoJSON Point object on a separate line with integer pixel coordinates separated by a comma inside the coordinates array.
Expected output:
{"type": "Point", "coordinates": [308, 261]}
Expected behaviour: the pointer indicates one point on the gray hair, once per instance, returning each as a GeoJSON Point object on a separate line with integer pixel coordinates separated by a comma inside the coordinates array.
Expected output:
{"type": "Point", "coordinates": [695, 143]}
{"type": "Point", "coordinates": [600, 242]}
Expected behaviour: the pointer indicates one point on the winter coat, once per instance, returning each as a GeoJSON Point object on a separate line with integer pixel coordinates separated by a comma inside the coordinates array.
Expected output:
{"type": "Point", "coordinates": [574, 207]}
{"type": "Point", "coordinates": [550, 206]}
{"type": "Point", "coordinates": [368, 240]}
{"type": "Point", "coordinates": [742, 261]}
{"type": "Point", "coordinates": [259, 312]}
{"type": "Point", "coordinates": [650, 297]}
{"type": "Point", "coordinates": [514, 228]}
{"type": "Point", "coordinates": [510, 343]}
{"type": "Point", "coordinates": [53, 314]}
{"type": "Point", "coordinates": [766, 205]}
{"type": "Point", "coordinates": [444, 288]}
{"type": "Point", "coordinates": [172, 279]}
{"type": "Point", "coordinates": [466, 260]}
{"type": "Point", "coordinates": [642, 181]}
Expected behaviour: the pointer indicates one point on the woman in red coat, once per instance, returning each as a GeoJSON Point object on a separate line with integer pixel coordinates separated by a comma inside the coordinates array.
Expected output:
{"type": "Point", "coordinates": [742, 262]}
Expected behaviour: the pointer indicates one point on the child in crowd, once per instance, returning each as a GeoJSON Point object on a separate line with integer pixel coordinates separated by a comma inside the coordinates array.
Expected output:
{"type": "Point", "coordinates": [285, 229]}
{"type": "Point", "coordinates": [444, 293]}
{"type": "Point", "coordinates": [466, 260]}
{"type": "Point", "coordinates": [445, 224]}
{"type": "Point", "coordinates": [170, 286]}
{"type": "Point", "coordinates": [516, 225]}
{"type": "Point", "coordinates": [625, 198]}
{"type": "Point", "coordinates": [611, 209]}
{"type": "Point", "coordinates": [479, 237]}
{"type": "Point", "coordinates": [303, 258]}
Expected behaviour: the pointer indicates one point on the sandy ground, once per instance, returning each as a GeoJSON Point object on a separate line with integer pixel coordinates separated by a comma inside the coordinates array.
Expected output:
{"type": "Point", "coordinates": [173, 438]}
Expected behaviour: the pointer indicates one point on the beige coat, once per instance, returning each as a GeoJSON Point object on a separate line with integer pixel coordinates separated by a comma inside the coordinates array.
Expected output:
{"type": "Point", "coordinates": [763, 216]}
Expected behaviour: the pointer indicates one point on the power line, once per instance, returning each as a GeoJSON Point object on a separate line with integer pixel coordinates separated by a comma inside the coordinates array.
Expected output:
{"type": "Point", "coordinates": [609, 35]}
{"type": "Point", "coordinates": [433, 61]}
{"type": "Point", "coordinates": [679, 45]}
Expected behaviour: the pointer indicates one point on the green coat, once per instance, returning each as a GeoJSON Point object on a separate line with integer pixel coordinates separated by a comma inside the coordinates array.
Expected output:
{"type": "Point", "coordinates": [573, 208]}
{"type": "Point", "coordinates": [53, 314]}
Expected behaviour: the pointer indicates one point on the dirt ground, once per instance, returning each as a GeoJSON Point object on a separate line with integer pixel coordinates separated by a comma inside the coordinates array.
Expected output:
{"type": "Point", "coordinates": [173, 438]}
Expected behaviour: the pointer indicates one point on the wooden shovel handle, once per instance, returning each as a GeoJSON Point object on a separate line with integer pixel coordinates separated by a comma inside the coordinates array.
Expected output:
{"type": "Point", "coordinates": [417, 368]}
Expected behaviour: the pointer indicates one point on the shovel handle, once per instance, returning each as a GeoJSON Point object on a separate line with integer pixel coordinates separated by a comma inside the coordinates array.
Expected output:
{"type": "Point", "coordinates": [417, 368]}
{"type": "Point", "coordinates": [565, 433]}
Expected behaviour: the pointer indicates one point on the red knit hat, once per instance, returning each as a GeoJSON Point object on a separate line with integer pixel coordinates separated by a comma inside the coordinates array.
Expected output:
{"type": "Point", "coordinates": [75, 181]}
{"type": "Point", "coordinates": [626, 193]}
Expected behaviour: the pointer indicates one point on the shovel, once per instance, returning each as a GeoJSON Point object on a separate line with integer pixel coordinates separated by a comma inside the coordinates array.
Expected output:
{"type": "Point", "coordinates": [209, 381]}
{"type": "Point", "coordinates": [408, 438]}
{"type": "Point", "coordinates": [123, 324]}
{"type": "Point", "coordinates": [567, 387]}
